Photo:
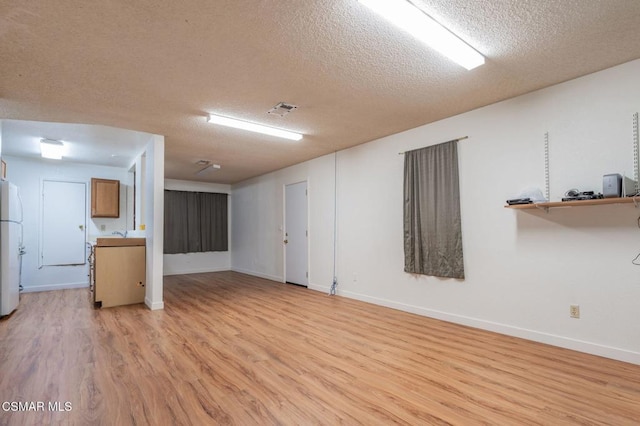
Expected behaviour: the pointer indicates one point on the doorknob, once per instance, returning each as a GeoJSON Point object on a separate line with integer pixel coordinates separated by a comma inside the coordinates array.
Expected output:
{"type": "Point", "coordinates": [81, 227]}
{"type": "Point", "coordinates": [286, 241]}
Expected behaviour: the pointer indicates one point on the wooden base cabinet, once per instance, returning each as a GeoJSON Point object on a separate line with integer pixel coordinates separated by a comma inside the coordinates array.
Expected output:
{"type": "Point", "coordinates": [120, 275]}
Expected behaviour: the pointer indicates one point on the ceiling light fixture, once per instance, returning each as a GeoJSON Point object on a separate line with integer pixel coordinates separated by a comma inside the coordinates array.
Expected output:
{"type": "Point", "coordinates": [410, 18]}
{"type": "Point", "coordinates": [252, 127]}
{"type": "Point", "coordinates": [52, 149]}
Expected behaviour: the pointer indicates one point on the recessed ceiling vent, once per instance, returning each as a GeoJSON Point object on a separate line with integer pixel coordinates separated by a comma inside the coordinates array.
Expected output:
{"type": "Point", "coordinates": [208, 166]}
{"type": "Point", "coordinates": [282, 109]}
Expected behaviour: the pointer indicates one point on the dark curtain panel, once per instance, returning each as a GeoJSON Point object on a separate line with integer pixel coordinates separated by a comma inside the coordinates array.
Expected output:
{"type": "Point", "coordinates": [432, 223]}
{"type": "Point", "coordinates": [213, 222]}
{"type": "Point", "coordinates": [175, 222]}
{"type": "Point", "coordinates": [195, 222]}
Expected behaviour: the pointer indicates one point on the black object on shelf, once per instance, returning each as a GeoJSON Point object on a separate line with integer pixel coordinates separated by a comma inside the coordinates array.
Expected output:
{"type": "Point", "coordinates": [586, 195]}
{"type": "Point", "coordinates": [516, 201]}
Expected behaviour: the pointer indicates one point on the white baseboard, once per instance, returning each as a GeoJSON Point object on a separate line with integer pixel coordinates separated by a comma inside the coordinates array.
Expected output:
{"type": "Point", "coordinates": [536, 336]}
{"type": "Point", "coordinates": [258, 274]}
{"type": "Point", "coordinates": [320, 288]}
{"type": "Point", "coordinates": [52, 287]}
{"type": "Point", "coordinates": [154, 306]}
{"type": "Point", "coordinates": [195, 271]}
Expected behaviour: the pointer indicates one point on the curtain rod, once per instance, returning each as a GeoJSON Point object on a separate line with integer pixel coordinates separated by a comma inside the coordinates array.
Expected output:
{"type": "Point", "coordinates": [452, 140]}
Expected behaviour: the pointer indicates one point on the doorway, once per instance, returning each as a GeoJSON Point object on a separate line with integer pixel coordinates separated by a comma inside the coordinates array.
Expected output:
{"type": "Point", "coordinates": [63, 223]}
{"type": "Point", "coordinates": [296, 234]}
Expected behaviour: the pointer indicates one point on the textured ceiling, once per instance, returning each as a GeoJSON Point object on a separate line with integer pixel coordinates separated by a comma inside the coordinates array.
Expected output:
{"type": "Point", "coordinates": [160, 67]}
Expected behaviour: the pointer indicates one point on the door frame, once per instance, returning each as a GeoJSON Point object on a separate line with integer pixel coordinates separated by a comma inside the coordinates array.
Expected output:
{"type": "Point", "coordinates": [283, 230]}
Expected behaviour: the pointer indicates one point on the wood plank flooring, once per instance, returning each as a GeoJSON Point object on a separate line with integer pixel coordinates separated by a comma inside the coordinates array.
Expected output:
{"type": "Point", "coordinates": [234, 349]}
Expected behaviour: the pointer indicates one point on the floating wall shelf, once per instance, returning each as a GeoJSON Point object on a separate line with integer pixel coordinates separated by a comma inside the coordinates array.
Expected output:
{"type": "Point", "coordinates": [551, 204]}
{"type": "Point", "coordinates": [601, 201]}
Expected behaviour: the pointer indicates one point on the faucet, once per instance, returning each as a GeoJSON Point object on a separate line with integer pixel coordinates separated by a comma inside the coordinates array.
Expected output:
{"type": "Point", "coordinates": [122, 234]}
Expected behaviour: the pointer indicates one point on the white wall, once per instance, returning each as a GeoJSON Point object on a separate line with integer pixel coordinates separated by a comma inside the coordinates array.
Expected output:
{"type": "Point", "coordinates": [257, 228]}
{"type": "Point", "coordinates": [523, 268]}
{"type": "Point", "coordinates": [190, 263]}
{"type": "Point", "coordinates": [28, 175]}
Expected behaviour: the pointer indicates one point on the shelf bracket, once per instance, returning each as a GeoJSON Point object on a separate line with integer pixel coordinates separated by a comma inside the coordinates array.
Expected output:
{"type": "Point", "coordinates": [545, 208]}
{"type": "Point", "coordinates": [547, 191]}
{"type": "Point", "coordinates": [636, 155]}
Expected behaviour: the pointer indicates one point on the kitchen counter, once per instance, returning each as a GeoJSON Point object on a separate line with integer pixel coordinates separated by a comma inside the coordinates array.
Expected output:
{"type": "Point", "coordinates": [120, 242]}
{"type": "Point", "coordinates": [131, 235]}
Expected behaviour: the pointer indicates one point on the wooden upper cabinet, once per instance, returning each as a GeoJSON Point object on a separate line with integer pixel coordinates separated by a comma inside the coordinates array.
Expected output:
{"type": "Point", "coordinates": [105, 198]}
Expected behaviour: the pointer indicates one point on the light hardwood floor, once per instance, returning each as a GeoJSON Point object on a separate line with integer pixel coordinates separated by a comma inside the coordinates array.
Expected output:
{"type": "Point", "coordinates": [234, 349]}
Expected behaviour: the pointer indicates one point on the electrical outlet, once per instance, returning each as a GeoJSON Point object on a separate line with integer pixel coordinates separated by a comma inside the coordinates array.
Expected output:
{"type": "Point", "coordinates": [574, 311]}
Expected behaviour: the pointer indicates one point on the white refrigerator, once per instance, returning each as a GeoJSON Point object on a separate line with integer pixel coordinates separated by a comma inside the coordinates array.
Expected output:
{"type": "Point", "coordinates": [10, 247]}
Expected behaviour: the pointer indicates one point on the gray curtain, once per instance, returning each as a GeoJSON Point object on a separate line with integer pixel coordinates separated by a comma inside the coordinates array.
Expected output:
{"type": "Point", "coordinates": [176, 229]}
{"type": "Point", "coordinates": [213, 222]}
{"type": "Point", "coordinates": [432, 223]}
{"type": "Point", "coordinates": [195, 222]}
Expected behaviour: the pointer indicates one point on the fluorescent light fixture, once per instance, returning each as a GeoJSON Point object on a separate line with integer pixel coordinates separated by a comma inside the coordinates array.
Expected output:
{"type": "Point", "coordinates": [407, 16]}
{"type": "Point", "coordinates": [252, 127]}
{"type": "Point", "coordinates": [51, 149]}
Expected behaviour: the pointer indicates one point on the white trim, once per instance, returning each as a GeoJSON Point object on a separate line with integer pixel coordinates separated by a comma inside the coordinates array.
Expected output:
{"type": "Point", "coordinates": [259, 274]}
{"type": "Point", "coordinates": [283, 234]}
{"type": "Point", "coordinates": [320, 288]}
{"type": "Point", "coordinates": [194, 271]}
{"type": "Point", "coordinates": [154, 306]}
{"type": "Point", "coordinates": [52, 287]}
{"type": "Point", "coordinates": [536, 336]}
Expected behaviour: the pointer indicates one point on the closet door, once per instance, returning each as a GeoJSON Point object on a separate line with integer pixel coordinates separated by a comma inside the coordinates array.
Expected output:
{"type": "Point", "coordinates": [63, 223]}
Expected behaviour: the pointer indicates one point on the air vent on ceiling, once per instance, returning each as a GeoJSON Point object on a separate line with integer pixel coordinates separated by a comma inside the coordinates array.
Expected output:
{"type": "Point", "coordinates": [282, 109]}
{"type": "Point", "coordinates": [208, 167]}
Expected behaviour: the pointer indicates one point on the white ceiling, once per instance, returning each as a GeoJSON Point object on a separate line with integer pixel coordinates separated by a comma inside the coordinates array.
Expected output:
{"type": "Point", "coordinates": [160, 67]}
{"type": "Point", "coordinates": [84, 143]}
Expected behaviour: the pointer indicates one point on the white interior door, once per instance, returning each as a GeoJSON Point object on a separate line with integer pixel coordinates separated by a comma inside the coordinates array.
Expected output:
{"type": "Point", "coordinates": [295, 237]}
{"type": "Point", "coordinates": [63, 223]}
